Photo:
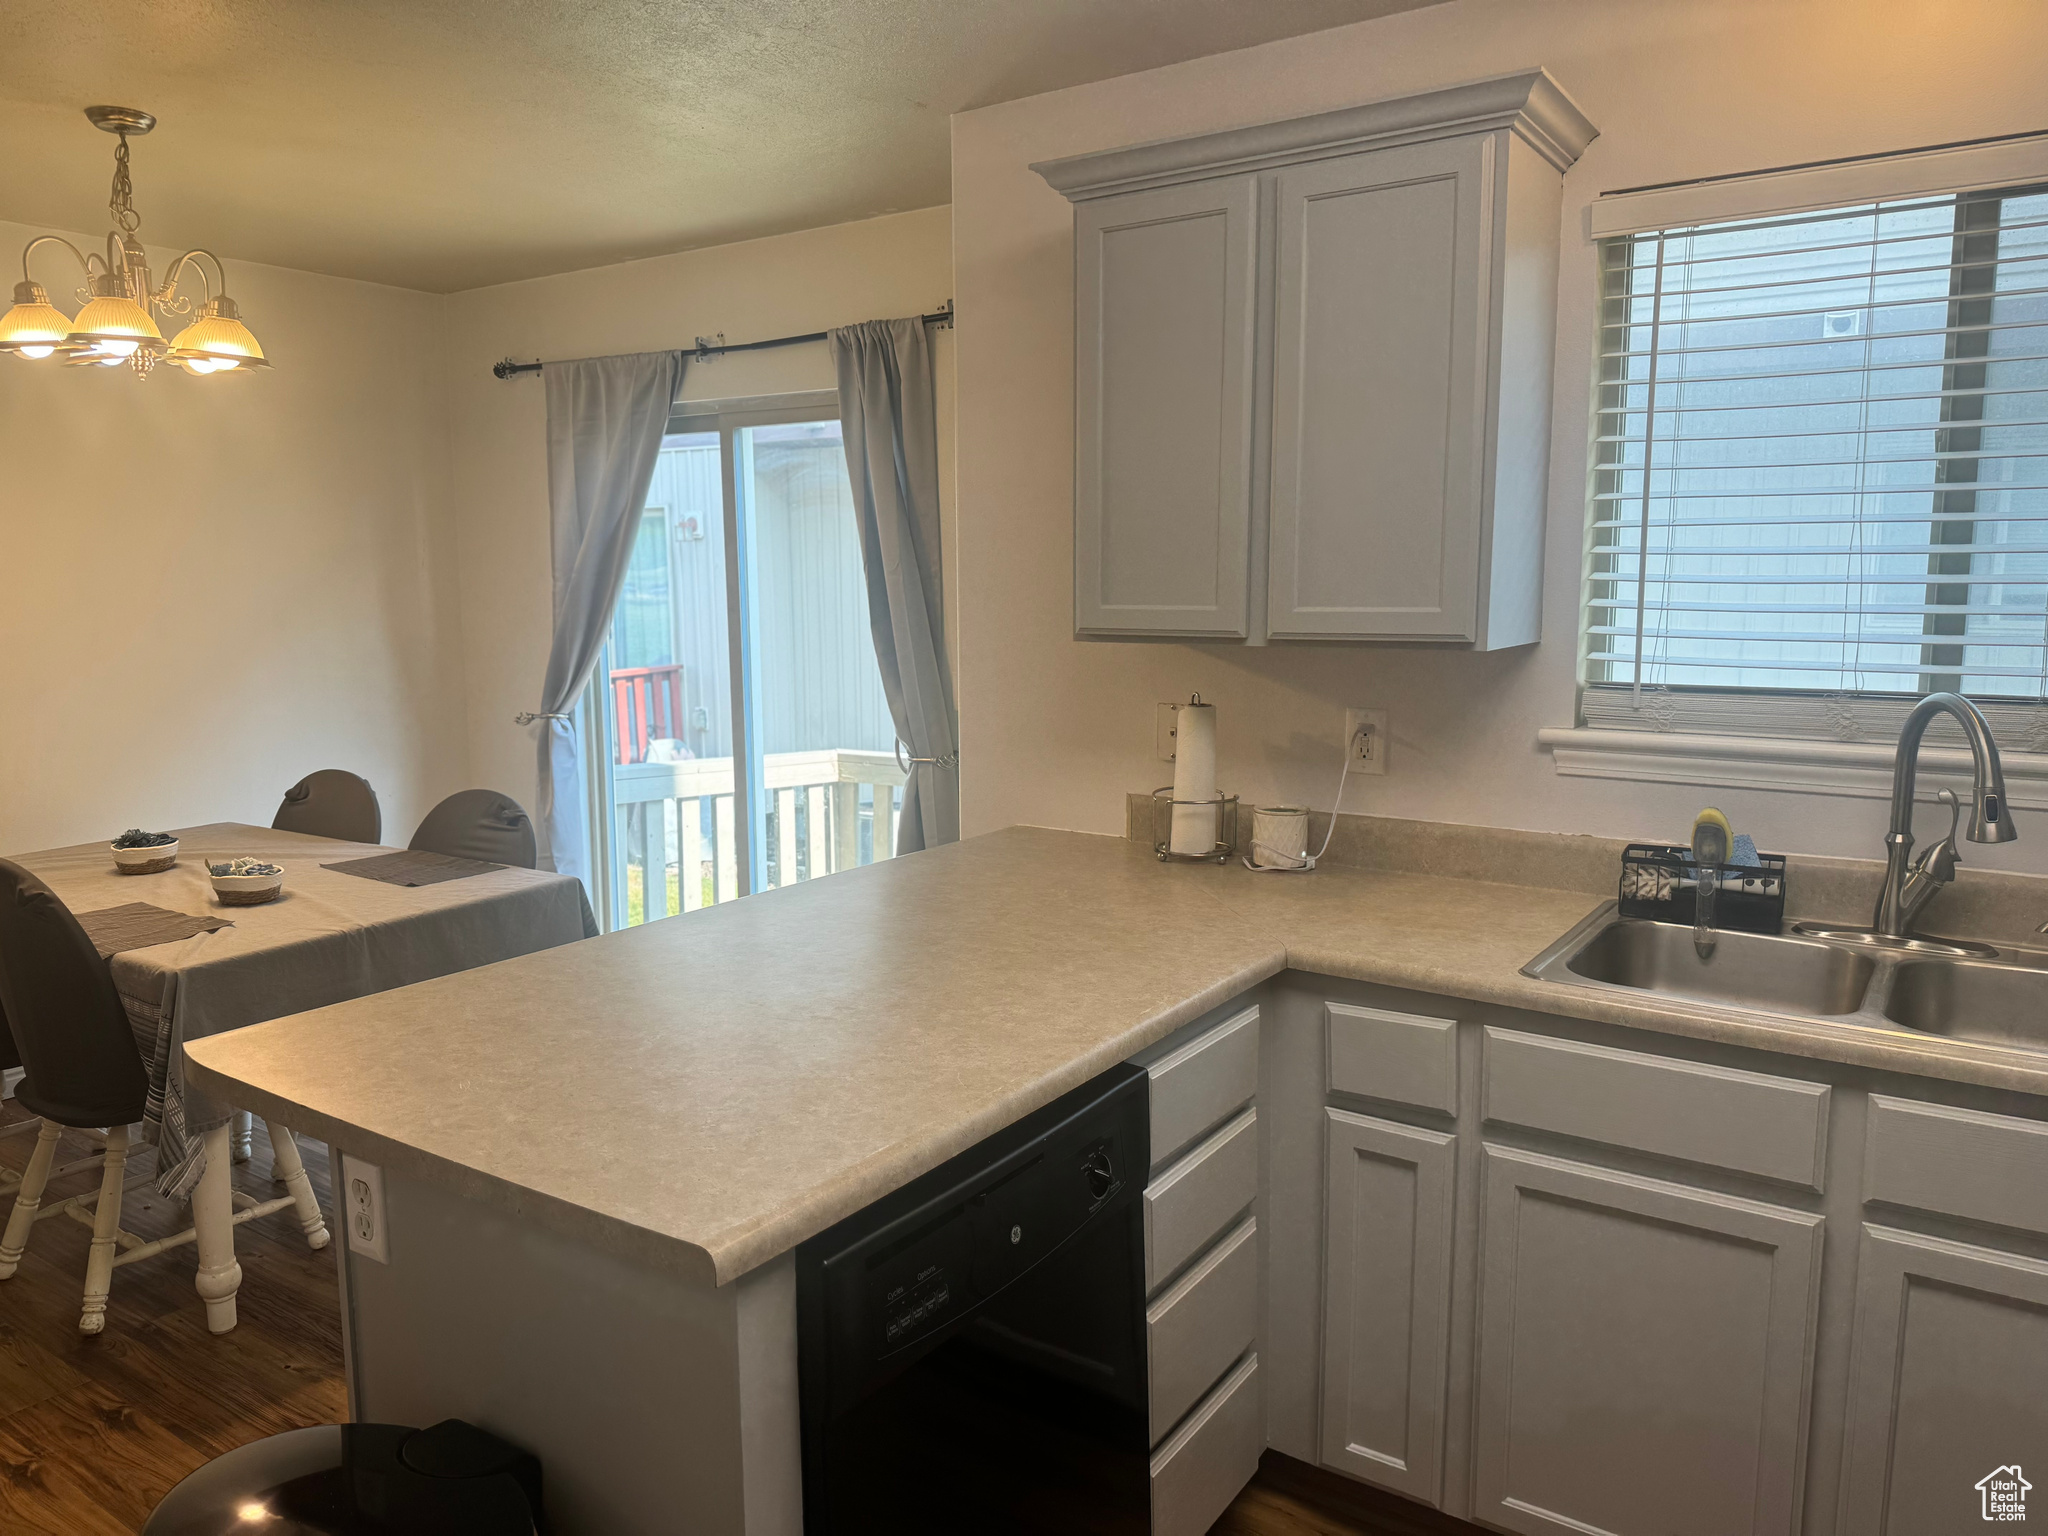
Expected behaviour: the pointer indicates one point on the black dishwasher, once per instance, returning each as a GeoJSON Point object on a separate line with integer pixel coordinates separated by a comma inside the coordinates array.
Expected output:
{"type": "Point", "coordinates": [972, 1347]}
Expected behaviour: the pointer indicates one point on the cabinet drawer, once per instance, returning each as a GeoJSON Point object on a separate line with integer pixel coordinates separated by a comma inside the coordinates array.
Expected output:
{"type": "Point", "coordinates": [1210, 1458]}
{"type": "Point", "coordinates": [1203, 1082]}
{"type": "Point", "coordinates": [1773, 1127]}
{"type": "Point", "coordinates": [1957, 1162]}
{"type": "Point", "coordinates": [1205, 1321]}
{"type": "Point", "coordinates": [1199, 1196]}
{"type": "Point", "coordinates": [1403, 1058]}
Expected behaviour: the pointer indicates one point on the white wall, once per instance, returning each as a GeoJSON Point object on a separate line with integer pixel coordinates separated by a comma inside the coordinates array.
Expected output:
{"type": "Point", "coordinates": [1056, 730]}
{"type": "Point", "coordinates": [784, 285]}
{"type": "Point", "coordinates": [210, 587]}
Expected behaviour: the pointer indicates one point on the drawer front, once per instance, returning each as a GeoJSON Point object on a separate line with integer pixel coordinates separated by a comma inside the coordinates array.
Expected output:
{"type": "Point", "coordinates": [1773, 1127]}
{"type": "Point", "coordinates": [1403, 1058]}
{"type": "Point", "coordinates": [1203, 1082]}
{"type": "Point", "coordinates": [1210, 1458]}
{"type": "Point", "coordinates": [1957, 1162]}
{"type": "Point", "coordinates": [1204, 1321]}
{"type": "Point", "coordinates": [1195, 1199]}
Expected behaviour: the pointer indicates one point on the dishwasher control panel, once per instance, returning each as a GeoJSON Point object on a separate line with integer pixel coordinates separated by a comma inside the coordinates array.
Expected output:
{"type": "Point", "coordinates": [916, 1265]}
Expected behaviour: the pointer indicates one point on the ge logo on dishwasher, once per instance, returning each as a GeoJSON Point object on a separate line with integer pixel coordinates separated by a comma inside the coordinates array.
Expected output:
{"type": "Point", "coordinates": [2005, 1494]}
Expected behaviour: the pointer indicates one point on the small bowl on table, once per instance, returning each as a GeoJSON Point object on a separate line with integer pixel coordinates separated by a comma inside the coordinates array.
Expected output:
{"type": "Point", "coordinates": [244, 882]}
{"type": "Point", "coordinates": [145, 859]}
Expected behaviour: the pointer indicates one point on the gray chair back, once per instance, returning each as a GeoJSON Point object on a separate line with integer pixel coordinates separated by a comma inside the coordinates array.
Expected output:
{"type": "Point", "coordinates": [332, 803]}
{"type": "Point", "coordinates": [479, 824]}
{"type": "Point", "coordinates": [66, 1019]}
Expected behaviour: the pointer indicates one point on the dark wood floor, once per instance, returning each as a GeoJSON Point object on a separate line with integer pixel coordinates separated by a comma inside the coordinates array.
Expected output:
{"type": "Point", "coordinates": [93, 1432]}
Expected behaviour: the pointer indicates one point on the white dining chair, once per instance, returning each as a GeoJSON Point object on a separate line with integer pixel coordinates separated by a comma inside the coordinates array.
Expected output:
{"type": "Point", "coordinates": [85, 1076]}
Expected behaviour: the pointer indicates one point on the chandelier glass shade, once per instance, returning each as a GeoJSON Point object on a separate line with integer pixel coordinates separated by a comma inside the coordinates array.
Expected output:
{"type": "Point", "coordinates": [121, 303]}
{"type": "Point", "coordinates": [34, 328]}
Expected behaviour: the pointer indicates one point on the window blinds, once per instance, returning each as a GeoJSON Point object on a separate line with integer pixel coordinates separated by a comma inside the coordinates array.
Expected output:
{"type": "Point", "coordinates": [1820, 460]}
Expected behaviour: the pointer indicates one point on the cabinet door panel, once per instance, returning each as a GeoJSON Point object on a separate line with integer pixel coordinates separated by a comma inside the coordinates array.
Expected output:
{"type": "Point", "coordinates": [1387, 1302]}
{"type": "Point", "coordinates": [1644, 1354]}
{"type": "Point", "coordinates": [1380, 366]}
{"type": "Point", "coordinates": [1164, 290]}
{"type": "Point", "coordinates": [1950, 1354]}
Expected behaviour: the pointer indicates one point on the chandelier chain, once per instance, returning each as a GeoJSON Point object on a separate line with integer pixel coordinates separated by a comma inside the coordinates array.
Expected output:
{"type": "Point", "coordinates": [122, 203]}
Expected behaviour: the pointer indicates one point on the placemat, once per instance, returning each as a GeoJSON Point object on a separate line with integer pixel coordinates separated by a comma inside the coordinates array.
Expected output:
{"type": "Point", "coordinates": [414, 866]}
{"type": "Point", "coordinates": [138, 925]}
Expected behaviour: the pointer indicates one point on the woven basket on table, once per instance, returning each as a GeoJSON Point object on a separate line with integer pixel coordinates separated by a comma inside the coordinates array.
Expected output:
{"type": "Point", "coordinates": [247, 898]}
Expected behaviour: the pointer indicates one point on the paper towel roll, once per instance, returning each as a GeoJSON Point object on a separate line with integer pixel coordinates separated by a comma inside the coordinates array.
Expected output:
{"type": "Point", "coordinates": [1194, 778]}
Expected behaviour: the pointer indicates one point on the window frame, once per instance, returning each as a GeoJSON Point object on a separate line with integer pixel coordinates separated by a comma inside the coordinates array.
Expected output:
{"type": "Point", "coordinates": [727, 418]}
{"type": "Point", "coordinates": [1980, 175]}
{"type": "Point", "coordinates": [1850, 753]}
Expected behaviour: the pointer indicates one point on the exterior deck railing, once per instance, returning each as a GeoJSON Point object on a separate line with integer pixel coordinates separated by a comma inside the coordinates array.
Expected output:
{"type": "Point", "coordinates": [827, 810]}
{"type": "Point", "coordinates": [647, 705]}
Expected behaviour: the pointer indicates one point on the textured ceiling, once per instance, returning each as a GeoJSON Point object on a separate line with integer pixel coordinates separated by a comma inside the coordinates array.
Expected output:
{"type": "Point", "coordinates": [447, 144]}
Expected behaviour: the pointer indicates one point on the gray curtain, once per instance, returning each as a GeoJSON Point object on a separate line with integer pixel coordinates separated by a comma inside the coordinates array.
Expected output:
{"type": "Point", "coordinates": [606, 416]}
{"type": "Point", "coordinates": [887, 407]}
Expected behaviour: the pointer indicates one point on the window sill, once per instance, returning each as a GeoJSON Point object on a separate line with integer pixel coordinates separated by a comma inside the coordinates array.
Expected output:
{"type": "Point", "coordinates": [1788, 766]}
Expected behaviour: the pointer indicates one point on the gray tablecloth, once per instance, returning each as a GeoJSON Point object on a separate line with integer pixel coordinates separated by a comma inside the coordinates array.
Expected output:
{"type": "Point", "coordinates": [328, 938]}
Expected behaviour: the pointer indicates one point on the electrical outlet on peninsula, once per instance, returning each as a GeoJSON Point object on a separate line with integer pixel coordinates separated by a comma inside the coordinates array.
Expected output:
{"type": "Point", "coordinates": [362, 1199]}
{"type": "Point", "coordinates": [1366, 740]}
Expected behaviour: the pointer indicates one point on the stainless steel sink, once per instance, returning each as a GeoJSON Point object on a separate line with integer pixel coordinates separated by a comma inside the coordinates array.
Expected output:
{"type": "Point", "coordinates": [1752, 971]}
{"type": "Point", "coordinates": [1841, 976]}
{"type": "Point", "coordinates": [1972, 1000]}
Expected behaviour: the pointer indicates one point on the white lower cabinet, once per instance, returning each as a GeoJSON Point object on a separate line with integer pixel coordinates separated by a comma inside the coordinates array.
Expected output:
{"type": "Point", "coordinates": [1573, 1286]}
{"type": "Point", "coordinates": [1645, 1354]}
{"type": "Point", "coordinates": [1946, 1386]}
{"type": "Point", "coordinates": [1387, 1307]}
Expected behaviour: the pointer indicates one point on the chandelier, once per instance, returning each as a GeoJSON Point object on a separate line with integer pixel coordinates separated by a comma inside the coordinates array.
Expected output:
{"type": "Point", "coordinates": [122, 303]}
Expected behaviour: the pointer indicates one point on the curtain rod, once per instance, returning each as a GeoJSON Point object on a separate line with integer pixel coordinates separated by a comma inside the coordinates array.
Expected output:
{"type": "Point", "coordinates": [709, 347]}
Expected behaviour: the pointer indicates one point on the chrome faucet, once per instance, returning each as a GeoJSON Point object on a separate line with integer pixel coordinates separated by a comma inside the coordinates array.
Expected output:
{"type": "Point", "coordinates": [1909, 884]}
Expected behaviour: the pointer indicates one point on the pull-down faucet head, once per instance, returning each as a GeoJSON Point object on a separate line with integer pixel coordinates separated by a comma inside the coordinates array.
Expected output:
{"type": "Point", "coordinates": [1990, 821]}
{"type": "Point", "coordinates": [1908, 886]}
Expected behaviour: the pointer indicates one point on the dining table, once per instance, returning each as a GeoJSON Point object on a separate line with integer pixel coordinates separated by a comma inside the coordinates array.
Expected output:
{"type": "Point", "coordinates": [352, 919]}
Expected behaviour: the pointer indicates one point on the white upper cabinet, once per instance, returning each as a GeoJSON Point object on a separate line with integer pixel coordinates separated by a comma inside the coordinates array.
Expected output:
{"type": "Point", "coordinates": [1162, 485]}
{"type": "Point", "coordinates": [1379, 422]}
{"type": "Point", "coordinates": [1312, 371]}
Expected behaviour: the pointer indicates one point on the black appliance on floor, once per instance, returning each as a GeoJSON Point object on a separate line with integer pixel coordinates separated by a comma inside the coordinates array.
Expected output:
{"type": "Point", "coordinates": [360, 1480]}
{"type": "Point", "coordinates": [972, 1347]}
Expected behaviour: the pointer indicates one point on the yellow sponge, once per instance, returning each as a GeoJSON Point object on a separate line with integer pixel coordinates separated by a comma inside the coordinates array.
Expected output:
{"type": "Point", "coordinates": [1717, 845]}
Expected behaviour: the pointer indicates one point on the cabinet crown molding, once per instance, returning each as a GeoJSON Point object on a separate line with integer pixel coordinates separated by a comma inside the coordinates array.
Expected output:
{"type": "Point", "coordinates": [1530, 104]}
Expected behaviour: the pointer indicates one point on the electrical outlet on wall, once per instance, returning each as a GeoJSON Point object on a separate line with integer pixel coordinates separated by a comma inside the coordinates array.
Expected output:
{"type": "Point", "coordinates": [1366, 740]}
{"type": "Point", "coordinates": [362, 1205]}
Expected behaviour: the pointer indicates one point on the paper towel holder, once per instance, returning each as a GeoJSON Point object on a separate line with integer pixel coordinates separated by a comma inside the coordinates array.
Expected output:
{"type": "Point", "coordinates": [1162, 828]}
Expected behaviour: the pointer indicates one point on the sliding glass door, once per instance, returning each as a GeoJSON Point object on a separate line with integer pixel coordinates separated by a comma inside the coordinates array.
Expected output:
{"type": "Point", "coordinates": [746, 740]}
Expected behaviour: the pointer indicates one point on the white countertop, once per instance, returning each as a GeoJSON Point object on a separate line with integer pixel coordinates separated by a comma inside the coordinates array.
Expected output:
{"type": "Point", "coordinates": [703, 1093]}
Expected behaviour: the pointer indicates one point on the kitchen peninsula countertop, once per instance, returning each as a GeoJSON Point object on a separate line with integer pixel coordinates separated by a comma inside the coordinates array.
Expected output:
{"type": "Point", "coordinates": [703, 1094]}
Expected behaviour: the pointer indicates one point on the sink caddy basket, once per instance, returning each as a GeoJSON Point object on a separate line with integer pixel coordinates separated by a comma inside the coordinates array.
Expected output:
{"type": "Point", "coordinates": [1661, 882]}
